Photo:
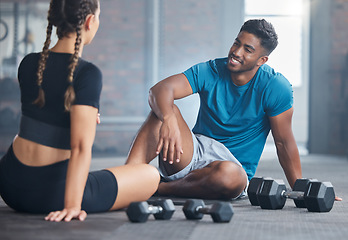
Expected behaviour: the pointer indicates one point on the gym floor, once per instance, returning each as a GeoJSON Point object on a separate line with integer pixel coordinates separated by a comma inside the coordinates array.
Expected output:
{"type": "Point", "coordinates": [249, 222]}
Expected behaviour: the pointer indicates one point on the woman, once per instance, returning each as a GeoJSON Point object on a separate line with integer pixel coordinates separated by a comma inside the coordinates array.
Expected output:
{"type": "Point", "coordinates": [46, 168]}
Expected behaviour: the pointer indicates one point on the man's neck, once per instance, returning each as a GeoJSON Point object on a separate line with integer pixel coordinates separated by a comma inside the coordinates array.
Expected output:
{"type": "Point", "coordinates": [240, 79]}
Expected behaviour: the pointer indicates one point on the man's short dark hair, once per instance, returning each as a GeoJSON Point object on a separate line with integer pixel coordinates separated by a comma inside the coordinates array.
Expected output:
{"type": "Point", "coordinates": [264, 31]}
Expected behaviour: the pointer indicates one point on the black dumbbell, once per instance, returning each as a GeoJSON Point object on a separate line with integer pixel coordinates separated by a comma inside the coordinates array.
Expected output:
{"type": "Point", "coordinates": [256, 182]}
{"type": "Point", "coordinates": [140, 211]}
{"type": "Point", "coordinates": [301, 185]}
{"type": "Point", "coordinates": [219, 211]}
{"type": "Point", "coordinates": [317, 196]}
{"type": "Point", "coordinates": [253, 189]}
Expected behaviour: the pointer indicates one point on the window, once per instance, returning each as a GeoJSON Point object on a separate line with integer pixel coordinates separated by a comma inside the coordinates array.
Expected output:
{"type": "Point", "coordinates": [289, 19]}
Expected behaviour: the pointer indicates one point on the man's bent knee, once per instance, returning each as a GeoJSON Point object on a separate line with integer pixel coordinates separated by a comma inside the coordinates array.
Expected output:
{"type": "Point", "coordinates": [228, 179]}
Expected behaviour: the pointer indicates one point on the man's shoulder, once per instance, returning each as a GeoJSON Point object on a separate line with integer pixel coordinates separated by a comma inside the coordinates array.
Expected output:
{"type": "Point", "coordinates": [218, 63]}
{"type": "Point", "coordinates": [213, 67]}
{"type": "Point", "coordinates": [268, 75]}
{"type": "Point", "coordinates": [266, 71]}
{"type": "Point", "coordinates": [216, 66]}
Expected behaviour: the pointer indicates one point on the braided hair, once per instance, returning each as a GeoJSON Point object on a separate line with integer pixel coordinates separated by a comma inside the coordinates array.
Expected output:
{"type": "Point", "coordinates": [68, 16]}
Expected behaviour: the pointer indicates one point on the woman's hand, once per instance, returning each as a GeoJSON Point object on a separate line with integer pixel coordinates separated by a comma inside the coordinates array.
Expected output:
{"type": "Point", "coordinates": [67, 214]}
{"type": "Point", "coordinates": [98, 118]}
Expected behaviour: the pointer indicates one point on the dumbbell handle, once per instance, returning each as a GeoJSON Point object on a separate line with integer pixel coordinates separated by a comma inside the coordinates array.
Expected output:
{"type": "Point", "coordinates": [155, 209]}
{"type": "Point", "coordinates": [203, 210]}
{"type": "Point", "coordinates": [293, 194]}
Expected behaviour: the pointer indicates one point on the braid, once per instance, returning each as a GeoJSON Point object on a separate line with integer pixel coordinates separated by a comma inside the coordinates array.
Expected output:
{"type": "Point", "coordinates": [81, 14]}
{"type": "Point", "coordinates": [69, 96]}
{"type": "Point", "coordinates": [40, 100]}
{"type": "Point", "coordinates": [68, 17]}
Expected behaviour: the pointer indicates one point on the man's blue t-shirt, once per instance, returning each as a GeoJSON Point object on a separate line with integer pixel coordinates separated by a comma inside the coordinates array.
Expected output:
{"type": "Point", "coordinates": [237, 116]}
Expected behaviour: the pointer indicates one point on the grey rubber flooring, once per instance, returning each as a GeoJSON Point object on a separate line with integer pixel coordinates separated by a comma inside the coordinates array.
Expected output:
{"type": "Point", "coordinates": [249, 222]}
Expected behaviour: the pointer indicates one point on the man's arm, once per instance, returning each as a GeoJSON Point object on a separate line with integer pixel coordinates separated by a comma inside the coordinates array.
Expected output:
{"type": "Point", "coordinates": [163, 94]}
{"type": "Point", "coordinates": [287, 150]}
{"type": "Point", "coordinates": [161, 100]}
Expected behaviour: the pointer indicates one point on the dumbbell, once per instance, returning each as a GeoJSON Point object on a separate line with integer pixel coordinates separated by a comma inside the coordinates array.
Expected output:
{"type": "Point", "coordinates": [301, 185]}
{"type": "Point", "coordinates": [316, 196]}
{"type": "Point", "coordinates": [140, 211]}
{"type": "Point", "coordinates": [256, 182]}
{"type": "Point", "coordinates": [253, 189]}
{"type": "Point", "coordinates": [220, 211]}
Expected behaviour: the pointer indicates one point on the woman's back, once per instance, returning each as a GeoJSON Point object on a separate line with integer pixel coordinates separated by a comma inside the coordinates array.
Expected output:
{"type": "Point", "coordinates": [48, 128]}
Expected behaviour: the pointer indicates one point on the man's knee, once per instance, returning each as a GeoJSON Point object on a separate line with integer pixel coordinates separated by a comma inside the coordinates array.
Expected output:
{"type": "Point", "coordinates": [228, 178]}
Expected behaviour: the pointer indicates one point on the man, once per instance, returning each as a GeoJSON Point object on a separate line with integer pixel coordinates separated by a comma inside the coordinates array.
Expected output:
{"type": "Point", "coordinates": [242, 99]}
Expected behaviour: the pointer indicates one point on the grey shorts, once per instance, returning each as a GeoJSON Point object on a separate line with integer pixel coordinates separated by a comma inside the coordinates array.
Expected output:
{"type": "Point", "coordinates": [205, 151]}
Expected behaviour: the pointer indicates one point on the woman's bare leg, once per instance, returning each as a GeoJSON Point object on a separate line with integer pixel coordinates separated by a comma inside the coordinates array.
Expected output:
{"type": "Point", "coordinates": [135, 183]}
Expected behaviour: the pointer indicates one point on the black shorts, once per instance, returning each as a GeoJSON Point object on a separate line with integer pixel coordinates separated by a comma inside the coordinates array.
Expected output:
{"type": "Point", "coordinates": [41, 189]}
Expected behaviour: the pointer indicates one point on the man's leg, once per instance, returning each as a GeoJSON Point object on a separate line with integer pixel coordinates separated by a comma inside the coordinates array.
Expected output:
{"type": "Point", "coordinates": [218, 180]}
{"type": "Point", "coordinates": [143, 149]}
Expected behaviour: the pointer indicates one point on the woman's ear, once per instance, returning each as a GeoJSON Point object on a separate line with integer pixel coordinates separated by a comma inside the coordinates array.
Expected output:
{"type": "Point", "coordinates": [89, 21]}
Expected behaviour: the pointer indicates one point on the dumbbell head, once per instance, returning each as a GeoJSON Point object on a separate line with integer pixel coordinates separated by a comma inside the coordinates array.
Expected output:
{"type": "Point", "coordinates": [221, 212]}
{"type": "Point", "coordinates": [168, 209]}
{"type": "Point", "coordinates": [190, 208]}
{"type": "Point", "coordinates": [301, 185]}
{"type": "Point", "coordinates": [253, 189]}
{"type": "Point", "coordinates": [319, 196]}
{"type": "Point", "coordinates": [270, 194]}
{"type": "Point", "coordinates": [138, 212]}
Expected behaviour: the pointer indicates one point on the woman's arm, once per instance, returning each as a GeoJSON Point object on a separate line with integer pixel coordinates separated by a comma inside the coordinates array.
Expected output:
{"type": "Point", "coordinates": [83, 127]}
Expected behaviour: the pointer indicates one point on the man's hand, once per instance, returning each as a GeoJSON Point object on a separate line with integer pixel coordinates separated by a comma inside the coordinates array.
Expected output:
{"type": "Point", "coordinates": [170, 140]}
{"type": "Point", "coordinates": [338, 199]}
{"type": "Point", "coordinates": [67, 214]}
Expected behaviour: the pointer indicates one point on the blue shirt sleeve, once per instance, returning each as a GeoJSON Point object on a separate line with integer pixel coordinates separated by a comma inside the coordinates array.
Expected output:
{"type": "Point", "coordinates": [278, 96]}
{"type": "Point", "coordinates": [200, 74]}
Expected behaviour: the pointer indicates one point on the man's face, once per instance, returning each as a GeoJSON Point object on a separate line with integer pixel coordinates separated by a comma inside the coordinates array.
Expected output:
{"type": "Point", "coordinates": [245, 53]}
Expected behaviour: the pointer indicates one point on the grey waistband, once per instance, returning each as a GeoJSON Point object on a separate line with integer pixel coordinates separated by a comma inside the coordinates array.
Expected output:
{"type": "Point", "coordinates": [43, 133]}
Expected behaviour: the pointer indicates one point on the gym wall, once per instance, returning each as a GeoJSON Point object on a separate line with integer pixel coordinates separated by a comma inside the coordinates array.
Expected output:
{"type": "Point", "coordinates": [142, 42]}
{"type": "Point", "coordinates": [138, 44]}
{"type": "Point", "coordinates": [328, 123]}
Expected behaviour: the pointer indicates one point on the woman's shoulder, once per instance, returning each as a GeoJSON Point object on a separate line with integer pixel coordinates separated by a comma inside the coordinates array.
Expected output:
{"type": "Point", "coordinates": [85, 67]}
{"type": "Point", "coordinates": [30, 58]}
{"type": "Point", "coordinates": [28, 64]}
{"type": "Point", "coordinates": [32, 55]}
{"type": "Point", "coordinates": [87, 74]}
